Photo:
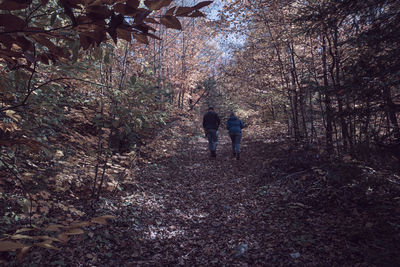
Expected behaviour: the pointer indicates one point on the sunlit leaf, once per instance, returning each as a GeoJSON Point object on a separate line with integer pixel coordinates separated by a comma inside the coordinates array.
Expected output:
{"type": "Point", "coordinates": [75, 231]}
{"type": "Point", "coordinates": [47, 244]}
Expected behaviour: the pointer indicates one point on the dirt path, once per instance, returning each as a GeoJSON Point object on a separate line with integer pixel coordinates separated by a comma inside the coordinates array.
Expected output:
{"type": "Point", "coordinates": [196, 210]}
{"type": "Point", "coordinates": [192, 210]}
{"type": "Point", "coordinates": [276, 206]}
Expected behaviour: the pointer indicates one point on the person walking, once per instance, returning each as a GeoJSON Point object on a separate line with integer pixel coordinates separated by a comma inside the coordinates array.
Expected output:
{"type": "Point", "coordinates": [211, 123]}
{"type": "Point", "coordinates": [235, 126]}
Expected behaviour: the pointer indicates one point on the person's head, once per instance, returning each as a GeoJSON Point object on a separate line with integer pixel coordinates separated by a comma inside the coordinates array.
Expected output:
{"type": "Point", "coordinates": [233, 114]}
{"type": "Point", "coordinates": [210, 108]}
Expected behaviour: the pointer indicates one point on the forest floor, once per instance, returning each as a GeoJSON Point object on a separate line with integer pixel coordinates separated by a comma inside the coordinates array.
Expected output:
{"type": "Point", "coordinates": [276, 206]}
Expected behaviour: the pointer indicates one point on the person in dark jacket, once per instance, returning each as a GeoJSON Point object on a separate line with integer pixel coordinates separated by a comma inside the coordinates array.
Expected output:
{"type": "Point", "coordinates": [211, 123]}
{"type": "Point", "coordinates": [235, 126]}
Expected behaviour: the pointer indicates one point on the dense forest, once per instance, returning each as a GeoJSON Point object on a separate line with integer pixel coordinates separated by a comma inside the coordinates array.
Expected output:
{"type": "Point", "coordinates": [104, 160]}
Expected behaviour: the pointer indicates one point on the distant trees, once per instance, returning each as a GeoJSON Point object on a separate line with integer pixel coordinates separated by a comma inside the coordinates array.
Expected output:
{"type": "Point", "coordinates": [333, 65]}
{"type": "Point", "coordinates": [61, 58]}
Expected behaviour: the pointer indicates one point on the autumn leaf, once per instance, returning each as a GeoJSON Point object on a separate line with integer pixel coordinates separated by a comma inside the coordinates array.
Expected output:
{"type": "Point", "coordinates": [102, 219]}
{"type": "Point", "coordinates": [171, 22]}
{"type": "Point", "coordinates": [75, 231]}
{"type": "Point", "coordinates": [202, 4]}
{"type": "Point", "coordinates": [141, 38]}
{"type": "Point", "coordinates": [157, 4]}
{"type": "Point", "coordinates": [46, 244]}
{"type": "Point", "coordinates": [14, 4]}
{"type": "Point", "coordinates": [10, 246]}
{"type": "Point", "coordinates": [11, 22]}
{"type": "Point", "coordinates": [23, 252]}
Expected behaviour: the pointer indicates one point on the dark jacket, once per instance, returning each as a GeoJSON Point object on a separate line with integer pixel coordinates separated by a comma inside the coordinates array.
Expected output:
{"type": "Point", "coordinates": [234, 125]}
{"type": "Point", "coordinates": [211, 120]}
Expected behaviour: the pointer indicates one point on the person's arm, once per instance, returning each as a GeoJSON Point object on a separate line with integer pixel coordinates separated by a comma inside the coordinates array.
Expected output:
{"type": "Point", "coordinates": [218, 121]}
{"type": "Point", "coordinates": [204, 121]}
{"type": "Point", "coordinates": [241, 125]}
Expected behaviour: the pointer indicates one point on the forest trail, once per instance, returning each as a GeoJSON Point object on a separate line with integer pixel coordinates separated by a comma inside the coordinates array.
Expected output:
{"type": "Point", "coordinates": [279, 205]}
{"type": "Point", "coordinates": [205, 210]}
{"type": "Point", "coordinates": [192, 210]}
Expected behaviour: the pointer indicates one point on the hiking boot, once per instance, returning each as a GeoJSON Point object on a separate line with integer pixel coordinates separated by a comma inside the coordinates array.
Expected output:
{"type": "Point", "coordinates": [213, 154]}
{"type": "Point", "coordinates": [238, 156]}
{"type": "Point", "coordinates": [234, 155]}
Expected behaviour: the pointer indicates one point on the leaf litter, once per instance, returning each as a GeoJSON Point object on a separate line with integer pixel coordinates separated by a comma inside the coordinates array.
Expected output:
{"type": "Point", "coordinates": [278, 206]}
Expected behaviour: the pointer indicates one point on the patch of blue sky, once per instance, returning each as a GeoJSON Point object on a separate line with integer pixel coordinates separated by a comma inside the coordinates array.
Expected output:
{"type": "Point", "coordinates": [224, 41]}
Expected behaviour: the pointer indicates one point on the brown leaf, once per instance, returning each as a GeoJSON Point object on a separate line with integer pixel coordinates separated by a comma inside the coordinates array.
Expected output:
{"type": "Point", "coordinates": [171, 22]}
{"type": "Point", "coordinates": [141, 38]}
{"type": "Point", "coordinates": [102, 219]}
{"type": "Point", "coordinates": [196, 14]}
{"type": "Point", "coordinates": [124, 34]}
{"type": "Point", "coordinates": [79, 224]}
{"type": "Point", "coordinates": [63, 237]}
{"type": "Point", "coordinates": [98, 12]}
{"type": "Point", "coordinates": [6, 40]}
{"type": "Point", "coordinates": [54, 227]}
{"type": "Point", "coordinates": [47, 244]}
{"type": "Point", "coordinates": [11, 22]}
{"type": "Point", "coordinates": [157, 4]}
{"type": "Point", "coordinates": [10, 246]}
{"type": "Point", "coordinates": [75, 231]}
{"type": "Point", "coordinates": [14, 5]}
{"type": "Point", "coordinates": [151, 20]}
{"type": "Point", "coordinates": [85, 41]}
{"type": "Point", "coordinates": [170, 12]}
{"type": "Point", "coordinates": [19, 236]}
{"type": "Point", "coordinates": [183, 10]}
{"type": "Point", "coordinates": [202, 4]}
{"type": "Point", "coordinates": [24, 43]}
{"type": "Point", "coordinates": [153, 36]}
{"type": "Point", "coordinates": [125, 9]}
{"type": "Point", "coordinates": [133, 3]}
{"type": "Point", "coordinates": [23, 252]}
{"type": "Point", "coordinates": [23, 230]}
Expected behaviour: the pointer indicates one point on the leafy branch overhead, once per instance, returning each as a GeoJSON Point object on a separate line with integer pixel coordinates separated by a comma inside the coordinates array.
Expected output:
{"type": "Point", "coordinates": [54, 26]}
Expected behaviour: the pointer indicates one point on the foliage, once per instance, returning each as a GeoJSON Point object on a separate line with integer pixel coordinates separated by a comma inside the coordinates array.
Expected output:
{"type": "Point", "coordinates": [325, 68]}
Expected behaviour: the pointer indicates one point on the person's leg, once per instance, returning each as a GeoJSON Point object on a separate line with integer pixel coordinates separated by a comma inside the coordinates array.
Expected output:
{"type": "Point", "coordinates": [238, 137]}
{"type": "Point", "coordinates": [215, 140]}
{"type": "Point", "coordinates": [210, 141]}
{"type": "Point", "coordinates": [232, 136]}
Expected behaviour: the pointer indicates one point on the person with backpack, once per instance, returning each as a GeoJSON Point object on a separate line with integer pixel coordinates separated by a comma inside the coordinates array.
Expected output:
{"type": "Point", "coordinates": [235, 126]}
{"type": "Point", "coordinates": [211, 122]}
